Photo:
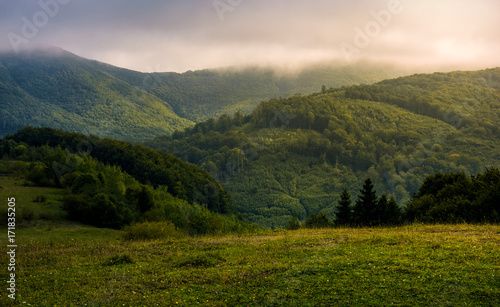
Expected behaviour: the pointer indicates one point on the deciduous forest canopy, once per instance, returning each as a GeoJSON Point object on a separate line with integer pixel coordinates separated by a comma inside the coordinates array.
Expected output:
{"type": "Point", "coordinates": [294, 156]}
{"type": "Point", "coordinates": [270, 159]}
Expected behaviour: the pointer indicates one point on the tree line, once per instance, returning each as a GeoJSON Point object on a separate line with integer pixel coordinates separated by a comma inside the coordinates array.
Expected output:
{"type": "Point", "coordinates": [442, 198]}
{"type": "Point", "coordinates": [148, 166]}
{"type": "Point", "coordinates": [104, 195]}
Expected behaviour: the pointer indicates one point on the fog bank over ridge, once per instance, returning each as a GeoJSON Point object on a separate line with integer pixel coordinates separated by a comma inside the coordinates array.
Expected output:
{"type": "Point", "coordinates": [178, 35]}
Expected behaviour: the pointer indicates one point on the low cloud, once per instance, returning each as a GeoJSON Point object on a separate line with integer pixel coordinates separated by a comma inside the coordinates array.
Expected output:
{"type": "Point", "coordinates": [187, 35]}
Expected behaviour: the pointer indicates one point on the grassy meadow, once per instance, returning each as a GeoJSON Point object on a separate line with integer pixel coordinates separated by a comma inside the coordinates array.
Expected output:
{"type": "Point", "coordinates": [60, 263]}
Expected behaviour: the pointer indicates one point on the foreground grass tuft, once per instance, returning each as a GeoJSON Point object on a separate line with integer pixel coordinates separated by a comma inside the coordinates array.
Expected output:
{"type": "Point", "coordinates": [119, 259]}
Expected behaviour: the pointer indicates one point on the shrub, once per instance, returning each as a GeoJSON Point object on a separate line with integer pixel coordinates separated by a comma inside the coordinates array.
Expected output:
{"type": "Point", "coordinates": [151, 231]}
{"type": "Point", "coordinates": [40, 175]}
{"type": "Point", "coordinates": [317, 221]}
{"type": "Point", "coordinates": [101, 210]}
{"type": "Point", "coordinates": [293, 223]}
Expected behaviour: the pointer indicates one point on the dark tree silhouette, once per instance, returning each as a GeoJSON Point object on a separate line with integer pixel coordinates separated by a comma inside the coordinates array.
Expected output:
{"type": "Point", "coordinates": [392, 212]}
{"type": "Point", "coordinates": [379, 214]}
{"type": "Point", "coordinates": [344, 210]}
{"type": "Point", "coordinates": [364, 209]}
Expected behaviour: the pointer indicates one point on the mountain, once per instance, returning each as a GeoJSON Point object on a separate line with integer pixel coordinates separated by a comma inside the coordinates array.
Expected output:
{"type": "Point", "coordinates": [51, 87]}
{"type": "Point", "coordinates": [294, 156]}
{"type": "Point", "coordinates": [204, 94]}
{"type": "Point", "coordinates": [55, 88]}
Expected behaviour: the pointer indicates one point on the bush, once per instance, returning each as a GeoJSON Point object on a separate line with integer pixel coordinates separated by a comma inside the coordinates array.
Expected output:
{"type": "Point", "coordinates": [317, 221]}
{"type": "Point", "coordinates": [293, 223]}
{"type": "Point", "coordinates": [40, 175]}
{"type": "Point", "coordinates": [101, 210]}
{"type": "Point", "coordinates": [151, 231]}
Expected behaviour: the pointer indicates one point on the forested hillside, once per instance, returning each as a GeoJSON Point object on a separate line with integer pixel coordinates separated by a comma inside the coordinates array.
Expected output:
{"type": "Point", "coordinates": [54, 88]}
{"type": "Point", "coordinates": [200, 95]}
{"type": "Point", "coordinates": [109, 183]}
{"type": "Point", "coordinates": [294, 156]}
{"type": "Point", "coordinates": [182, 180]}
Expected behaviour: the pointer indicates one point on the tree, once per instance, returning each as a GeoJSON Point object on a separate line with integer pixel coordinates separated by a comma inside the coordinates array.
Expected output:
{"type": "Point", "coordinates": [145, 199]}
{"type": "Point", "coordinates": [344, 210]}
{"type": "Point", "coordinates": [392, 212]}
{"type": "Point", "coordinates": [238, 118]}
{"type": "Point", "coordinates": [379, 211]}
{"type": "Point", "coordinates": [365, 205]}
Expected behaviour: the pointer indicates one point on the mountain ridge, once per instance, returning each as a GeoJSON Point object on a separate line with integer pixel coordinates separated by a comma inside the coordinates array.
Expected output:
{"type": "Point", "coordinates": [54, 87]}
{"type": "Point", "coordinates": [294, 156]}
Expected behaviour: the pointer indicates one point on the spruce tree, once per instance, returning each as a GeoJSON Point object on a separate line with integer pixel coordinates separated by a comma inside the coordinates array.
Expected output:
{"type": "Point", "coordinates": [392, 212]}
{"type": "Point", "coordinates": [344, 210]}
{"type": "Point", "coordinates": [380, 209]}
{"type": "Point", "coordinates": [364, 208]}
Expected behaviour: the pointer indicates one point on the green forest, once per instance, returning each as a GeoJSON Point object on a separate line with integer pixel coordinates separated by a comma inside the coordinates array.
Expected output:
{"type": "Point", "coordinates": [266, 146]}
{"type": "Point", "coordinates": [55, 88]}
{"type": "Point", "coordinates": [112, 184]}
{"type": "Point", "coordinates": [295, 156]}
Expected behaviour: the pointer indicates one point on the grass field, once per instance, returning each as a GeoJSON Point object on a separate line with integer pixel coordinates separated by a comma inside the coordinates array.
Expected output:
{"type": "Point", "coordinates": [64, 264]}
{"type": "Point", "coordinates": [29, 211]}
{"type": "Point", "coordinates": [407, 266]}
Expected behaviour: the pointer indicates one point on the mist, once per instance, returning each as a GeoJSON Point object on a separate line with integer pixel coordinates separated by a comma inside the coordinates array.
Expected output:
{"type": "Point", "coordinates": [285, 34]}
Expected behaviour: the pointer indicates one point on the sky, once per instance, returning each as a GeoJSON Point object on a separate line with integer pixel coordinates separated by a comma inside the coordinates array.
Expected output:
{"type": "Point", "coordinates": [175, 35]}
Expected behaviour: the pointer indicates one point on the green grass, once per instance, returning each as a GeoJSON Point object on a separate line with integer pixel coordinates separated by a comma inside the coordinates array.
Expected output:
{"type": "Point", "coordinates": [47, 212]}
{"type": "Point", "coordinates": [450, 265]}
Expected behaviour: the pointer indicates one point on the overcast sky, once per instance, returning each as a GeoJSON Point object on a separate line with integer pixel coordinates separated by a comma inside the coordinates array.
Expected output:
{"type": "Point", "coordinates": [175, 35]}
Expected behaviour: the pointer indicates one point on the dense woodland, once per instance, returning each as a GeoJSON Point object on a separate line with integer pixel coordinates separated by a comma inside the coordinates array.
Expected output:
{"type": "Point", "coordinates": [271, 161]}
{"type": "Point", "coordinates": [442, 198]}
{"type": "Point", "coordinates": [112, 183]}
{"type": "Point", "coordinates": [294, 156]}
{"type": "Point", "coordinates": [54, 88]}
{"type": "Point", "coordinates": [104, 195]}
{"type": "Point", "coordinates": [60, 90]}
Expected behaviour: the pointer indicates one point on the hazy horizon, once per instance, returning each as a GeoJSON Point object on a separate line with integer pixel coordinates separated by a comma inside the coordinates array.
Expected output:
{"type": "Point", "coordinates": [177, 36]}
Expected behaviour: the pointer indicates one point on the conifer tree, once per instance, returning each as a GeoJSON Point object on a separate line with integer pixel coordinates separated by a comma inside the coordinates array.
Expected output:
{"type": "Point", "coordinates": [344, 210]}
{"type": "Point", "coordinates": [392, 212]}
{"type": "Point", "coordinates": [364, 208]}
{"type": "Point", "coordinates": [380, 209]}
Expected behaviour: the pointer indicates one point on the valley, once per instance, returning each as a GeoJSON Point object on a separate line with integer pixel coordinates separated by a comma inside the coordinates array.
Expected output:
{"type": "Point", "coordinates": [250, 153]}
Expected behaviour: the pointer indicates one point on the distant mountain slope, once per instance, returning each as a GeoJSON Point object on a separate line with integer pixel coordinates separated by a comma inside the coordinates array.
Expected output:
{"type": "Point", "coordinates": [52, 87]}
{"type": "Point", "coordinates": [58, 89]}
{"type": "Point", "coordinates": [459, 98]}
{"type": "Point", "coordinates": [200, 95]}
{"type": "Point", "coordinates": [294, 156]}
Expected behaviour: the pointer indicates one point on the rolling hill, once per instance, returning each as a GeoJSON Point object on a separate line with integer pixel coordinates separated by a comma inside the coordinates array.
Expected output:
{"type": "Point", "coordinates": [294, 156]}
{"type": "Point", "coordinates": [57, 89]}
{"type": "Point", "coordinates": [54, 88]}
